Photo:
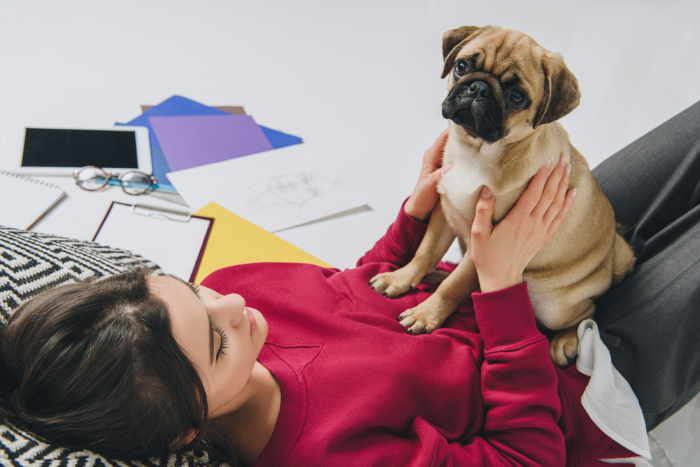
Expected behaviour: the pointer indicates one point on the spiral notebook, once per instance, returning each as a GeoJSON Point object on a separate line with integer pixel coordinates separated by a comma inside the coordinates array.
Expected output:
{"type": "Point", "coordinates": [24, 200]}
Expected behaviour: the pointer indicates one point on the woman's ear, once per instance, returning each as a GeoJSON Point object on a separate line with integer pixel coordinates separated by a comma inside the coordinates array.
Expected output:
{"type": "Point", "coordinates": [184, 440]}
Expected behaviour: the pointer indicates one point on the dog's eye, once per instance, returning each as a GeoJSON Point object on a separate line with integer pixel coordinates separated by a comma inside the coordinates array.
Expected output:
{"type": "Point", "coordinates": [516, 97]}
{"type": "Point", "coordinates": [461, 67]}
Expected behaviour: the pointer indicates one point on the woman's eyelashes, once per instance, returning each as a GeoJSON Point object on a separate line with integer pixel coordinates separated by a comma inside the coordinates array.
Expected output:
{"type": "Point", "coordinates": [223, 342]}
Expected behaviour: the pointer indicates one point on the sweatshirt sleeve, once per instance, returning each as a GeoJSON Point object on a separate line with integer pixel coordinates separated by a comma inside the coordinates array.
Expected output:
{"type": "Point", "coordinates": [399, 243]}
{"type": "Point", "coordinates": [518, 385]}
{"type": "Point", "coordinates": [519, 389]}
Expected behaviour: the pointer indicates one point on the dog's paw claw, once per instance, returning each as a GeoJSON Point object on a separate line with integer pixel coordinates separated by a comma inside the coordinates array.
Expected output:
{"type": "Point", "coordinates": [394, 283]}
{"type": "Point", "coordinates": [424, 318]}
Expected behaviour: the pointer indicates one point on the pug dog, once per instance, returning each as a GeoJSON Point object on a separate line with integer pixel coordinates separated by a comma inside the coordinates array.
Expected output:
{"type": "Point", "coordinates": [505, 95]}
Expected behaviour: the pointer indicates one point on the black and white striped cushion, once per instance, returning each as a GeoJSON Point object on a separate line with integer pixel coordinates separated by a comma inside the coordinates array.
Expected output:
{"type": "Point", "coordinates": [30, 263]}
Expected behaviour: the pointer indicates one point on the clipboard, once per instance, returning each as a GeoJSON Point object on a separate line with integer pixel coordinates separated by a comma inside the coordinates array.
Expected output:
{"type": "Point", "coordinates": [175, 240]}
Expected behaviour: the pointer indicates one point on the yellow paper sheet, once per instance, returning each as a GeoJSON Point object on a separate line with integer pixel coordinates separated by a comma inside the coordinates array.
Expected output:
{"type": "Point", "coordinates": [234, 240]}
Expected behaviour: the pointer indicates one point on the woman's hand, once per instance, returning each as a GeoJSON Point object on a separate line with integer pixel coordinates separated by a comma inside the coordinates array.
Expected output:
{"type": "Point", "coordinates": [425, 195]}
{"type": "Point", "coordinates": [501, 253]}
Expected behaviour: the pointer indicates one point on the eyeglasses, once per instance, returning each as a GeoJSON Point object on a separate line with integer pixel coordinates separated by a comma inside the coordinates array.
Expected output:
{"type": "Point", "coordinates": [93, 178]}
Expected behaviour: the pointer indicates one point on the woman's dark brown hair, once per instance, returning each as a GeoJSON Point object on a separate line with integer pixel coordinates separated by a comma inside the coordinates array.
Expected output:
{"type": "Point", "coordinates": [95, 365]}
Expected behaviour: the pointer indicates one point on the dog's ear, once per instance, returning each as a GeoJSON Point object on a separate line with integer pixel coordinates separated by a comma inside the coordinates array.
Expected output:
{"type": "Point", "coordinates": [561, 94]}
{"type": "Point", "coordinates": [452, 42]}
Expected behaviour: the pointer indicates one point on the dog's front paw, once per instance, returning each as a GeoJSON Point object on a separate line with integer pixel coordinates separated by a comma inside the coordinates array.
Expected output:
{"type": "Point", "coordinates": [564, 346]}
{"type": "Point", "coordinates": [394, 283]}
{"type": "Point", "coordinates": [427, 316]}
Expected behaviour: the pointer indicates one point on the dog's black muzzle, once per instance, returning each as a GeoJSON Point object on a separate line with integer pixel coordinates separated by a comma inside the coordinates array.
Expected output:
{"type": "Point", "coordinates": [476, 105]}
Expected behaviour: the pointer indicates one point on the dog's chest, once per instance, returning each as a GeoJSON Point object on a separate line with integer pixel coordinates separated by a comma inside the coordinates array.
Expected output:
{"type": "Point", "coordinates": [463, 175]}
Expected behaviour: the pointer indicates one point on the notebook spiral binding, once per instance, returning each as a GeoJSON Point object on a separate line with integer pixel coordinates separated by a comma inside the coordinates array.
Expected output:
{"type": "Point", "coordinates": [30, 179]}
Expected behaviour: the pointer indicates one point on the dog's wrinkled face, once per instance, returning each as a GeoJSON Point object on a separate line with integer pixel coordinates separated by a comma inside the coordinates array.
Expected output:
{"type": "Point", "coordinates": [502, 84]}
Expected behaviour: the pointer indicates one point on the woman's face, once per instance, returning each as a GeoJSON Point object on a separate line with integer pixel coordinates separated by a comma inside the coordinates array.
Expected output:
{"type": "Point", "coordinates": [219, 334]}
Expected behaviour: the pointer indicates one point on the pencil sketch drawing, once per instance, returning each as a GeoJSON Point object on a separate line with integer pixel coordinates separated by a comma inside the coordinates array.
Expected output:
{"type": "Point", "coordinates": [289, 190]}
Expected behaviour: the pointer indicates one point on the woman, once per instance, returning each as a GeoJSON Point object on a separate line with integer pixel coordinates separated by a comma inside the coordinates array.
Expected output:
{"type": "Point", "coordinates": [294, 364]}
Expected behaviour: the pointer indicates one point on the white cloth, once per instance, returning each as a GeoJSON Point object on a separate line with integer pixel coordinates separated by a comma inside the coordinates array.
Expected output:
{"type": "Point", "coordinates": [636, 461]}
{"type": "Point", "coordinates": [608, 398]}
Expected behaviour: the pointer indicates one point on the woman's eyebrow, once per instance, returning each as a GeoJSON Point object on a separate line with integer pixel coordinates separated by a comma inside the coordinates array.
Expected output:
{"type": "Point", "coordinates": [188, 284]}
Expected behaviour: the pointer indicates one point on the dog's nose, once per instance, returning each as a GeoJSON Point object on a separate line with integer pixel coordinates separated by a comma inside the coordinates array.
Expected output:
{"type": "Point", "coordinates": [478, 89]}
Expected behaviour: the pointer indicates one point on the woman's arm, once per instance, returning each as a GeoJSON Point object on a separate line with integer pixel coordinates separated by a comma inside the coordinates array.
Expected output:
{"type": "Point", "coordinates": [518, 385]}
{"type": "Point", "coordinates": [399, 243]}
{"type": "Point", "coordinates": [401, 240]}
{"type": "Point", "coordinates": [519, 389]}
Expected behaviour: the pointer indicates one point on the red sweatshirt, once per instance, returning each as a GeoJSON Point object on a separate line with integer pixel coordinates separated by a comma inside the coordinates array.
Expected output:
{"type": "Point", "coordinates": [357, 390]}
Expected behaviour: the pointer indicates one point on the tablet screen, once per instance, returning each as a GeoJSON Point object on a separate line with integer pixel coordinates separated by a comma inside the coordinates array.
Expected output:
{"type": "Point", "coordinates": [51, 147]}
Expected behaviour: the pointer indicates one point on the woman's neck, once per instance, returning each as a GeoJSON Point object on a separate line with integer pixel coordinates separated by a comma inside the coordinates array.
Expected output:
{"type": "Point", "coordinates": [249, 428]}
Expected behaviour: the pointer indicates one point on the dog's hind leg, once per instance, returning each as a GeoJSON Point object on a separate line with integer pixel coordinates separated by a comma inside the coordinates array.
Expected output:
{"type": "Point", "coordinates": [564, 344]}
{"type": "Point", "coordinates": [432, 248]}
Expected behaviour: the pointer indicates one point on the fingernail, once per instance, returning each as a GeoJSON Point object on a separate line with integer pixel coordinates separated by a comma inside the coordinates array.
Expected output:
{"type": "Point", "coordinates": [573, 193]}
{"type": "Point", "coordinates": [486, 192]}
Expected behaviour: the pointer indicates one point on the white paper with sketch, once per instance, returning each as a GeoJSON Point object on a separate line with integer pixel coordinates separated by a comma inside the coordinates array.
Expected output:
{"type": "Point", "coordinates": [275, 189]}
{"type": "Point", "coordinates": [174, 241]}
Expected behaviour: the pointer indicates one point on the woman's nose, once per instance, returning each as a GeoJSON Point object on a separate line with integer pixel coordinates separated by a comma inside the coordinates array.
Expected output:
{"type": "Point", "coordinates": [230, 307]}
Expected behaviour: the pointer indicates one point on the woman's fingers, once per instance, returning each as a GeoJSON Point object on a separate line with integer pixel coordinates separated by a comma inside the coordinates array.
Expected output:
{"type": "Point", "coordinates": [531, 196]}
{"type": "Point", "coordinates": [440, 140]}
{"type": "Point", "coordinates": [433, 156]}
{"type": "Point", "coordinates": [483, 214]}
{"type": "Point", "coordinates": [550, 189]}
{"type": "Point", "coordinates": [559, 197]}
{"type": "Point", "coordinates": [568, 202]}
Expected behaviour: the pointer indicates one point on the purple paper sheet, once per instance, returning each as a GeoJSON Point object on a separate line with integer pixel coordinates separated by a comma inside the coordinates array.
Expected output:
{"type": "Point", "coordinates": [194, 140]}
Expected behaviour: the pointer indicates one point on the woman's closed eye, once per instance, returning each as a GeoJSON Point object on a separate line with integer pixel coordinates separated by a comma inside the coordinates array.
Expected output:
{"type": "Point", "coordinates": [223, 342]}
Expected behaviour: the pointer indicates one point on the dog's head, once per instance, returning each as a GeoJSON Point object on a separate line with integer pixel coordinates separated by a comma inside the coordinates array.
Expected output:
{"type": "Point", "coordinates": [502, 84]}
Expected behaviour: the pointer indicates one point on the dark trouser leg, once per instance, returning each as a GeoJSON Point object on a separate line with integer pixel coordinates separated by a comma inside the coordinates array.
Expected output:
{"type": "Point", "coordinates": [651, 320]}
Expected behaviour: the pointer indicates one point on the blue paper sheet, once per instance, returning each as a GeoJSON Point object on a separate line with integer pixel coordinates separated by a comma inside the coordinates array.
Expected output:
{"type": "Point", "coordinates": [178, 105]}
